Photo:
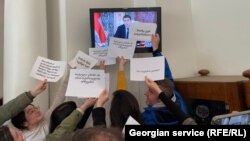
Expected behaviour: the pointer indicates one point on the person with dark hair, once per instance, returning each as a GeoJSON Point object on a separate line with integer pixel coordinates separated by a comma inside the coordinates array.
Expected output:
{"type": "Point", "coordinates": [95, 134]}
{"type": "Point", "coordinates": [123, 30]}
{"type": "Point", "coordinates": [60, 113]}
{"type": "Point", "coordinates": [64, 110]}
{"type": "Point", "coordinates": [16, 105]}
{"type": "Point", "coordinates": [32, 122]}
{"type": "Point", "coordinates": [173, 107]}
{"type": "Point", "coordinates": [69, 124]}
{"type": "Point", "coordinates": [124, 103]}
{"type": "Point", "coordinates": [157, 113]}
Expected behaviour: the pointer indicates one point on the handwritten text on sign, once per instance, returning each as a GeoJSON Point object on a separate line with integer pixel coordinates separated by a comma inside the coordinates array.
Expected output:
{"type": "Point", "coordinates": [83, 61]}
{"type": "Point", "coordinates": [142, 31]}
{"type": "Point", "coordinates": [101, 55]}
{"type": "Point", "coordinates": [48, 69]}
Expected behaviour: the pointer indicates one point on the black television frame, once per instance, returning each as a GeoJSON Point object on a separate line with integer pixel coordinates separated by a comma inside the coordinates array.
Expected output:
{"type": "Point", "coordinates": [134, 9]}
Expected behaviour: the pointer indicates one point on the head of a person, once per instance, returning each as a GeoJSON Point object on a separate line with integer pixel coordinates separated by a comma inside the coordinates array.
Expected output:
{"type": "Point", "coordinates": [10, 134]}
{"type": "Point", "coordinates": [165, 85]}
{"type": "Point", "coordinates": [127, 20]}
{"type": "Point", "coordinates": [95, 134]}
{"type": "Point", "coordinates": [123, 105]}
{"type": "Point", "coordinates": [61, 112]}
{"type": "Point", "coordinates": [29, 118]}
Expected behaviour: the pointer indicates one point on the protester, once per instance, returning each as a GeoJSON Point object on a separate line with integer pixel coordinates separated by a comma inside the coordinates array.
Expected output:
{"type": "Point", "coordinates": [16, 105]}
{"type": "Point", "coordinates": [32, 122]}
{"type": "Point", "coordinates": [157, 113]}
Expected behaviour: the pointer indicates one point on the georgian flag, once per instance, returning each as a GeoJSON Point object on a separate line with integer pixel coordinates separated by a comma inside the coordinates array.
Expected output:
{"type": "Point", "coordinates": [98, 27]}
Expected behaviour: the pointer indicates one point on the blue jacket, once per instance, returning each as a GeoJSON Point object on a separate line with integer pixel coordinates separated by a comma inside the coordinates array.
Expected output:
{"type": "Point", "coordinates": [161, 115]}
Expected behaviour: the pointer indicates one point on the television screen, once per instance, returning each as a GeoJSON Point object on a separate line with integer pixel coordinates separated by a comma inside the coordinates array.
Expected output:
{"type": "Point", "coordinates": [115, 22]}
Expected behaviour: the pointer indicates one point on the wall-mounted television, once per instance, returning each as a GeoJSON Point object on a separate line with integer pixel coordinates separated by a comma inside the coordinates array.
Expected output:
{"type": "Point", "coordinates": [109, 22]}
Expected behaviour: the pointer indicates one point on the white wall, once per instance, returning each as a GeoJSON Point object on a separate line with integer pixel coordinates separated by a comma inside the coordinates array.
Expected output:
{"type": "Point", "coordinates": [222, 35]}
{"type": "Point", "coordinates": [25, 38]}
{"type": "Point", "coordinates": [178, 37]}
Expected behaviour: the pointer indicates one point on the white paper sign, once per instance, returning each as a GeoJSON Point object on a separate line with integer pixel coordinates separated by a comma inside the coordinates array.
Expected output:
{"type": "Point", "coordinates": [101, 54]}
{"type": "Point", "coordinates": [153, 67]}
{"type": "Point", "coordinates": [83, 61]}
{"type": "Point", "coordinates": [85, 83]}
{"type": "Point", "coordinates": [130, 121]}
{"type": "Point", "coordinates": [48, 69]}
{"type": "Point", "coordinates": [121, 47]}
{"type": "Point", "coordinates": [142, 31]}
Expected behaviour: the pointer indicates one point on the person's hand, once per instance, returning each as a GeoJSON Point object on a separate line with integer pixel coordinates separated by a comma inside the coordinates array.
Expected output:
{"type": "Point", "coordinates": [88, 103]}
{"type": "Point", "coordinates": [122, 62]}
{"type": "Point", "coordinates": [103, 98]}
{"type": "Point", "coordinates": [152, 86]}
{"type": "Point", "coordinates": [102, 65]}
{"type": "Point", "coordinates": [40, 87]}
{"type": "Point", "coordinates": [155, 39]}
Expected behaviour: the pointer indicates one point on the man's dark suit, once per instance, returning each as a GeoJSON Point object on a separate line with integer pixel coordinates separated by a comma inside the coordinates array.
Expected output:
{"type": "Point", "coordinates": [121, 32]}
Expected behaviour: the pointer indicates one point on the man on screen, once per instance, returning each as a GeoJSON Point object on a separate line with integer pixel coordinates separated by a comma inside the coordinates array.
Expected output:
{"type": "Point", "coordinates": [123, 30]}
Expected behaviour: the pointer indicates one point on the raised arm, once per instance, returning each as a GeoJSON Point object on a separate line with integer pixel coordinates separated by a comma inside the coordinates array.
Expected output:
{"type": "Point", "coordinates": [16, 105]}
{"type": "Point", "coordinates": [155, 39]}
{"type": "Point", "coordinates": [121, 78]}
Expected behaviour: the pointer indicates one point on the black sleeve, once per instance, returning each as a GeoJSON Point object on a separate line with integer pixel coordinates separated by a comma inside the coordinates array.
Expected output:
{"type": "Point", "coordinates": [98, 116]}
{"type": "Point", "coordinates": [173, 107]}
{"type": "Point", "coordinates": [85, 117]}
